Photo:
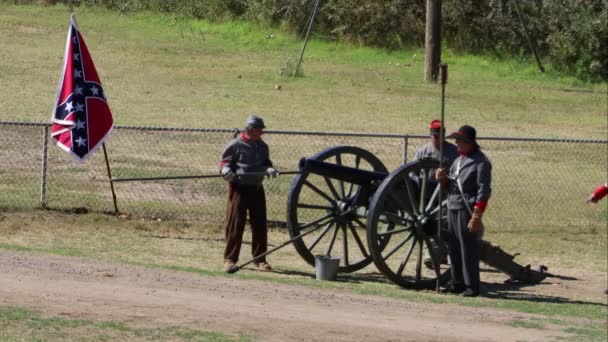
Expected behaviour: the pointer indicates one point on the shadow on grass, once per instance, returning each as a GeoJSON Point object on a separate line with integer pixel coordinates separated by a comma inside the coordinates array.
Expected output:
{"type": "Point", "coordinates": [511, 291]}
{"type": "Point", "coordinates": [352, 278]}
{"type": "Point", "coordinates": [358, 278]}
{"type": "Point", "coordinates": [497, 291]}
{"type": "Point", "coordinates": [152, 236]}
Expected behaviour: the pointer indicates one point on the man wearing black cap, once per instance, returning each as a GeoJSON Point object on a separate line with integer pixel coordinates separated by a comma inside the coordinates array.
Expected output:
{"type": "Point", "coordinates": [244, 163]}
{"type": "Point", "coordinates": [431, 150]}
{"type": "Point", "coordinates": [469, 189]}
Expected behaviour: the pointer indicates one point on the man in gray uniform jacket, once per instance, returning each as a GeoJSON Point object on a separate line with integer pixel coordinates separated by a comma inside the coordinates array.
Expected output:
{"type": "Point", "coordinates": [431, 150]}
{"type": "Point", "coordinates": [244, 163]}
{"type": "Point", "coordinates": [469, 189]}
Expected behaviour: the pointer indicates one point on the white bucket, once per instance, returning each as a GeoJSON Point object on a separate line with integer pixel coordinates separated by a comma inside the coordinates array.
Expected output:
{"type": "Point", "coordinates": [326, 267]}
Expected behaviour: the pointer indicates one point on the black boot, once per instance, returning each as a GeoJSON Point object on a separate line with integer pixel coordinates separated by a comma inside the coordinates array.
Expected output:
{"type": "Point", "coordinates": [469, 293]}
{"type": "Point", "coordinates": [453, 288]}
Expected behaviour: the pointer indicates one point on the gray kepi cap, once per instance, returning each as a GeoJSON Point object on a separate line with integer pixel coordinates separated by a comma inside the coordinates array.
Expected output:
{"type": "Point", "coordinates": [255, 121]}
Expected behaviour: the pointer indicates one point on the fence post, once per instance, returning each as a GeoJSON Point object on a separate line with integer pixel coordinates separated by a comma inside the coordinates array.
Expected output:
{"type": "Point", "coordinates": [405, 143]}
{"type": "Point", "coordinates": [45, 144]}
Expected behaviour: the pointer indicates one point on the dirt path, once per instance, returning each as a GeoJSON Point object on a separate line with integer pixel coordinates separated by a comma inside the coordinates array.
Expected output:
{"type": "Point", "coordinates": [85, 289]}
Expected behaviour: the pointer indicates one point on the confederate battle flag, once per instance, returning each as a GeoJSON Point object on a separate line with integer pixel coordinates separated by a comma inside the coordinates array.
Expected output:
{"type": "Point", "coordinates": [81, 117]}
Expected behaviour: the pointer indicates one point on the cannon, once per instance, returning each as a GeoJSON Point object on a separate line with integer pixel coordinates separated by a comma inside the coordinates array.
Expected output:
{"type": "Point", "coordinates": [347, 204]}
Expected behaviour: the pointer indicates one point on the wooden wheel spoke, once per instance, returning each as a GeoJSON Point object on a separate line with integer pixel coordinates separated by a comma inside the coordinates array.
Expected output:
{"type": "Point", "coordinates": [406, 258]}
{"type": "Point", "coordinates": [431, 201]}
{"type": "Point", "coordinates": [360, 223]}
{"type": "Point", "coordinates": [325, 230]}
{"type": "Point", "coordinates": [320, 192]}
{"type": "Point", "coordinates": [313, 206]}
{"type": "Point", "coordinates": [401, 203]}
{"type": "Point", "coordinates": [423, 189]}
{"type": "Point", "coordinates": [396, 231]}
{"type": "Point", "coordinates": [339, 162]}
{"type": "Point", "coordinates": [317, 221]}
{"type": "Point", "coordinates": [333, 239]}
{"type": "Point", "coordinates": [436, 209]}
{"type": "Point", "coordinates": [345, 245]}
{"type": "Point", "coordinates": [410, 194]}
{"type": "Point", "coordinates": [399, 245]}
{"type": "Point", "coordinates": [331, 187]}
{"type": "Point", "coordinates": [433, 253]}
{"type": "Point", "coordinates": [394, 218]}
{"type": "Point", "coordinates": [357, 163]}
{"type": "Point", "coordinates": [419, 262]}
{"type": "Point", "coordinates": [357, 239]}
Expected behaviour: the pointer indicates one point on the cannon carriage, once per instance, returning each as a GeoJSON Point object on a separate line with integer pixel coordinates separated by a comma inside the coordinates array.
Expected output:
{"type": "Point", "coordinates": [347, 204]}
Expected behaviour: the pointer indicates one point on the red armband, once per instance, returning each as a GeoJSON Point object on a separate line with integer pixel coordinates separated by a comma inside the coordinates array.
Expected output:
{"type": "Point", "coordinates": [481, 205]}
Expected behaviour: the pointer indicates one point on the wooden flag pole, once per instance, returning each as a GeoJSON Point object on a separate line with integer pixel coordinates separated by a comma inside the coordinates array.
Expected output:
{"type": "Point", "coordinates": [105, 154]}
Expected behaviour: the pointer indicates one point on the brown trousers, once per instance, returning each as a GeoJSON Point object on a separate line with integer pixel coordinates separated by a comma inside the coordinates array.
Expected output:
{"type": "Point", "coordinates": [243, 198]}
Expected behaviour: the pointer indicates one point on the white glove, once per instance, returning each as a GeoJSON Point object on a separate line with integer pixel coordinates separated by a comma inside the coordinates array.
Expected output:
{"type": "Point", "coordinates": [272, 172]}
{"type": "Point", "coordinates": [227, 173]}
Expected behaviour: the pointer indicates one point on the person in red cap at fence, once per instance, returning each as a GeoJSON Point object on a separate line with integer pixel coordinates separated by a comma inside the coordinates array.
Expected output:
{"type": "Point", "coordinates": [599, 193]}
{"type": "Point", "coordinates": [431, 150]}
{"type": "Point", "coordinates": [245, 162]}
{"type": "Point", "coordinates": [469, 189]}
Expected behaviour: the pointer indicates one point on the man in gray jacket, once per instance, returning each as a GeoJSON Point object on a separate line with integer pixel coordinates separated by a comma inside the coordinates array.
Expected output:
{"type": "Point", "coordinates": [244, 164]}
{"type": "Point", "coordinates": [469, 189]}
{"type": "Point", "coordinates": [431, 150]}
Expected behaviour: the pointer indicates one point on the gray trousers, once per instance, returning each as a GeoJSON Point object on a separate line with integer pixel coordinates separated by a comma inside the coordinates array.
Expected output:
{"type": "Point", "coordinates": [463, 247]}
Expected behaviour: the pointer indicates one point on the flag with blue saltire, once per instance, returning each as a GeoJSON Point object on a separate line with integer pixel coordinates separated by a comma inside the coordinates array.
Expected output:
{"type": "Point", "coordinates": [82, 119]}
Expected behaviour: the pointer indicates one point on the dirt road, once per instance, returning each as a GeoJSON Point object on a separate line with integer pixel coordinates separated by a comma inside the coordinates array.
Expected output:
{"type": "Point", "coordinates": [85, 289]}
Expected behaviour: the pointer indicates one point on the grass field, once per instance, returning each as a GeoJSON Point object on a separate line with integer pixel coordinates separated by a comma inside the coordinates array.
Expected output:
{"type": "Point", "coordinates": [161, 70]}
{"type": "Point", "coordinates": [198, 249]}
{"type": "Point", "coordinates": [26, 325]}
{"type": "Point", "coordinates": [165, 71]}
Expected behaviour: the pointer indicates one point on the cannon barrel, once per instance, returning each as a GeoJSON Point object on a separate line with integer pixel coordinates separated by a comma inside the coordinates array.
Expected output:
{"type": "Point", "coordinates": [340, 172]}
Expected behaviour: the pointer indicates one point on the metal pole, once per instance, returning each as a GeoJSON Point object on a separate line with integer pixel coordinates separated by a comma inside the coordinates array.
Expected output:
{"type": "Point", "coordinates": [405, 145]}
{"type": "Point", "coordinates": [530, 43]}
{"type": "Point", "coordinates": [312, 19]}
{"type": "Point", "coordinates": [142, 179]}
{"type": "Point", "coordinates": [237, 268]}
{"type": "Point", "coordinates": [443, 74]}
{"type": "Point", "coordinates": [45, 144]}
{"type": "Point", "coordinates": [105, 154]}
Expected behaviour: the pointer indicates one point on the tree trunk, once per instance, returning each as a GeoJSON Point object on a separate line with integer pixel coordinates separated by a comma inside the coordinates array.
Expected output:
{"type": "Point", "coordinates": [432, 44]}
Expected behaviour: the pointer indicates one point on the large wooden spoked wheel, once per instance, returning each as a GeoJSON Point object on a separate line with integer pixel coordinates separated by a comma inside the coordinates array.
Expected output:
{"type": "Point", "coordinates": [334, 209]}
{"type": "Point", "coordinates": [405, 208]}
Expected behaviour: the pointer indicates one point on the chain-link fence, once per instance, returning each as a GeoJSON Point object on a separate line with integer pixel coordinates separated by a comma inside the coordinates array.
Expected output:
{"type": "Point", "coordinates": [536, 182]}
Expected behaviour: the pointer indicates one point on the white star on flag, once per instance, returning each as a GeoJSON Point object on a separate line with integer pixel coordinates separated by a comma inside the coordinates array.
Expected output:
{"type": "Point", "coordinates": [79, 124]}
{"type": "Point", "coordinates": [77, 73]}
{"type": "Point", "coordinates": [95, 90]}
{"type": "Point", "coordinates": [78, 90]}
{"type": "Point", "coordinates": [79, 107]}
{"type": "Point", "coordinates": [80, 141]}
{"type": "Point", "coordinates": [76, 56]}
{"type": "Point", "coordinates": [68, 107]}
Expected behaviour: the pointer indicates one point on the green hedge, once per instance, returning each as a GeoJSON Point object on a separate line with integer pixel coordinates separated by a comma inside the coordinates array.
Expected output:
{"type": "Point", "coordinates": [571, 34]}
